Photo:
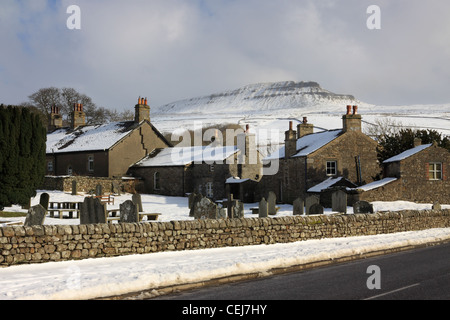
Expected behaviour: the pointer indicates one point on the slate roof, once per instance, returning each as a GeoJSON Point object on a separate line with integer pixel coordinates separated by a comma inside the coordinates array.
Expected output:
{"type": "Point", "coordinates": [90, 138]}
{"type": "Point", "coordinates": [408, 153]}
{"type": "Point", "coordinates": [308, 144]}
{"type": "Point", "coordinates": [181, 156]}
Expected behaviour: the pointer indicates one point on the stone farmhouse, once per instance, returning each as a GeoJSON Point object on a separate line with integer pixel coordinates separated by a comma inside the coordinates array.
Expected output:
{"type": "Point", "coordinates": [419, 174]}
{"type": "Point", "coordinates": [106, 150]}
{"type": "Point", "coordinates": [344, 157]}
{"type": "Point", "coordinates": [213, 170]}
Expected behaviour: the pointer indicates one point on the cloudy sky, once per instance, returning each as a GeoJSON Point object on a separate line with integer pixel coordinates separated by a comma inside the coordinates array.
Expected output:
{"type": "Point", "coordinates": [169, 50]}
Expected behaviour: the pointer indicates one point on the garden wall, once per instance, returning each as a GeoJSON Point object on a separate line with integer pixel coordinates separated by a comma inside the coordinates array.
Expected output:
{"type": "Point", "coordinates": [67, 242]}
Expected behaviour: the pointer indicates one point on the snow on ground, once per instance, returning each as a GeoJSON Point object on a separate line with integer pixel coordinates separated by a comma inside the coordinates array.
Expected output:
{"type": "Point", "coordinates": [92, 278]}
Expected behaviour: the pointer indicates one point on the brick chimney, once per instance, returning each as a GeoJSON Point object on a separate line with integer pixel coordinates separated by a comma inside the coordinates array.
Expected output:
{"type": "Point", "coordinates": [78, 116]}
{"type": "Point", "coordinates": [351, 121]}
{"type": "Point", "coordinates": [304, 128]}
{"type": "Point", "coordinates": [246, 143]}
{"type": "Point", "coordinates": [55, 120]}
{"type": "Point", "coordinates": [142, 111]}
{"type": "Point", "coordinates": [290, 142]}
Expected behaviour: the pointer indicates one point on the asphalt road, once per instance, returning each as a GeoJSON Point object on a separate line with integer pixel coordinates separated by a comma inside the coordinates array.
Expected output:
{"type": "Point", "coordinates": [419, 274]}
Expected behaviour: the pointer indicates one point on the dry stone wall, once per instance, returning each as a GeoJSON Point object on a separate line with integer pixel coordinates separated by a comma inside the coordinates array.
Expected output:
{"type": "Point", "coordinates": [47, 243]}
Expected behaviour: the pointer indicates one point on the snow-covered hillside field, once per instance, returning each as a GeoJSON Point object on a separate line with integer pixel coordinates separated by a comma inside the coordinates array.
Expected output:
{"type": "Point", "coordinates": [176, 208]}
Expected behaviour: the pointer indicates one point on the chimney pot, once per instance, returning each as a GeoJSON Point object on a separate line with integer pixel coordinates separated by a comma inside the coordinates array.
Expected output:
{"type": "Point", "coordinates": [145, 102]}
{"type": "Point", "coordinates": [290, 125]}
{"type": "Point", "coordinates": [305, 120]}
{"type": "Point", "coordinates": [349, 109]}
{"type": "Point", "coordinates": [247, 127]}
{"type": "Point", "coordinates": [355, 109]}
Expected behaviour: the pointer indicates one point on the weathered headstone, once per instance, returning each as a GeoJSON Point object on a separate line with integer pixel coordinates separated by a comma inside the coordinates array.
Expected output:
{"type": "Point", "coordinates": [92, 210]}
{"type": "Point", "coordinates": [196, 198]}
{"type": "Point", "coordinates": [436, 206]}
{"type": "Point", "coordinates": [205, 209]}
{"type": "Point", "coordinates": [298, 207]}
{"type": "Point", "coordinates": [309, 202]}
{"type": "Point", "coordinates": [221, 213]}
{"type": "Point", "coordinates": [191, 198]}
{"type": "Point", "coordinates": [99, 190]}
{"type": "Point", "coordinates": [263, 208]}
{"type": "Point", "coordinates": [271, 203]}
{"type": "Point", "coordinates": [116, 188]}
{"type": "Point", "coordinates": [35, 216]}
{"type": "Point", "coordinates": [129, 212]}
{"type": "Point", "coordinates": [237, 209]}
{"type": "Point", "coordinates": [316, 208]}
{"type": "Point", "coordinates": [44, 200]}
{"type": "Point", "coordinates": [362, 207]}
{"type": "Point", "coordinates": [339, 201]}
{"type": "Point", "coordinates": [74, 187]}
{"type": "Point", "coordinates": [137, 200]}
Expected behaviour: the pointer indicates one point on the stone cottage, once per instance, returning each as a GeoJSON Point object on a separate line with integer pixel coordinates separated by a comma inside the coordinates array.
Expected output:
{"type": "Point", "coordinates": [106, 150]}
{"type": "Point", "coordinates": [419, 174]}
{"type": "Point", "coordinates": [309, 158]}
{"type": "Point", "coordinates": [207, 170]}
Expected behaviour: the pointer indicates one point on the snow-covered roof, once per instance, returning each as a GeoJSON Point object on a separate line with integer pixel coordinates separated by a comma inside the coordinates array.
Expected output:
{"type": "Point", "coordinates": [407, 153]}
{"type": "Point", "coordinates": [181, 156]}
{"type": "Point", "coordinates": [308, 144]}
{"type": "Point", "coordinates": [236, 180]}
{"type": "Point", "coordinates": [376, 184]}
{"type": "Point", "coordinates": [326, 184]}
{"type": "Point", "coordinates": [88, 138]}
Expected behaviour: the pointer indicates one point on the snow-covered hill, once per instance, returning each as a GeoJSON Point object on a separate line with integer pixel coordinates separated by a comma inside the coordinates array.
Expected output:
{"type": "Point", "coordinates": [267, 106]}
{"type": "Point", "coordinates": [260, 98]}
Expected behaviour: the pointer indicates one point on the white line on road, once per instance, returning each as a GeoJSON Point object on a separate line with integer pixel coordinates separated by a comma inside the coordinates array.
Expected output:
{"type": "Point", "coordinates": [397, 290]}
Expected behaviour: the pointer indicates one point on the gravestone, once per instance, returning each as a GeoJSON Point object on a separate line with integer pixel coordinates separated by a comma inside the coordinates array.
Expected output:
{"type": "Point", "coordinates": [362, 207]}
{"type": "Point", "coordinates": [271, 203]}
{"type": "Point", "coordinates": [298, 207]}
{"type": "Point", "coordinates": [196, 198]}
{"type": "Point", "coordinates": [237, 210]}
{"type": "Point", "coordinates": [316, 208]}
{"type": "Point", "coordinates": [92, 211]}
{"type": "Point", "coordinates": [44, 200]}
{"type": "Point", "coordinates": [436, 206]}
{"type": "Point", "coordinates": [191, 198]}
{"type": "Point", "coordinates": [310, 201]}
{"type": "Point", "coordinates": [137, 200]}
{"type": "Point", "coordinates": [35, 216]}
{"type": "Point", "coordinates": [221, 213]}
{"type": "Point", "coordinates": [116, 187]}
{"type": "Point", "coordinates": [129, 212]}
{"type": "Point", "coordinates": [263, 208]}
{"type": "Point", "coordinates": [205, 209]}
{"type": "Point", "coordinates": [74, 187]}
{"type": "Point", "coordinates": [339, 201]}
{"type": "Point", "coordinates": [99, 190]}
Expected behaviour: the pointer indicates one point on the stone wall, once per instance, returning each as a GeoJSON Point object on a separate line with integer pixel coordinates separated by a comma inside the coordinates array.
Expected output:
{"type": "Point", "coordinates": [88, 184]}
{"type": "Point", "coordinates": [68, 242]}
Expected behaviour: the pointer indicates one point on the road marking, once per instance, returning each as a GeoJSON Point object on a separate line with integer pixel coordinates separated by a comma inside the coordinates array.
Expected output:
{"type": "Point", "coordinates": [386, 293]}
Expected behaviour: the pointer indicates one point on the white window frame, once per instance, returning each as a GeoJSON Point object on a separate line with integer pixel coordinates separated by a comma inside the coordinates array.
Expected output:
{"type": "Point", "coordinates": [91, 163]}
{"type": "Point", "coordinates": [331, 170]}
{"type": "Point", "coordinates": [435, 171]}
{"type": "Point", "coordinates": [50, 166]}
{"type": "Point", "coordinates": [157, 181]}
{"type": "Point", "coordinates": [209, 189]}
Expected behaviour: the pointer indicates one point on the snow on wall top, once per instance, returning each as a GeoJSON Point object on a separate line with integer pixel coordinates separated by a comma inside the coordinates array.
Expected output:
{"type": "Point", "coordinates": [308, 144]}
{"type": "Point", "coordinates": [88, 138]}
{"type": "Point", "coordinates": [181, 156]}
{"type": "Point", "coordinates": [376, 184]}
{"type": "Point", "coordinates": [407, 153]}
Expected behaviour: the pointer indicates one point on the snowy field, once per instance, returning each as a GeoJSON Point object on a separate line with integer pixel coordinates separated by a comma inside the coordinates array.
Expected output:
{"type": "Point", "coordinates": [176, 208]}
{"type": "Point", "coordinates": [101, 277]}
